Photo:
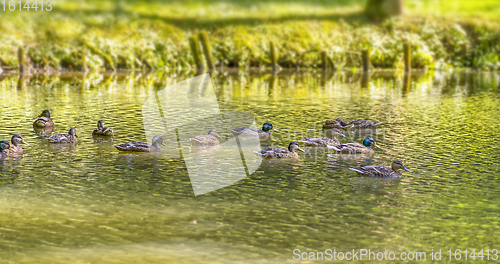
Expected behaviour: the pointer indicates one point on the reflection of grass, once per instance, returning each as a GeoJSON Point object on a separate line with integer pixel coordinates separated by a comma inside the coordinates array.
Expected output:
{"type": "Point", "coordinates": [136, 34]}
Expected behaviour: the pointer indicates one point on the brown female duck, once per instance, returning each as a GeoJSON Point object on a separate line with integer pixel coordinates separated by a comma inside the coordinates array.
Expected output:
{"type": "Point", "coordinates": [381, 171]}
{"type": "Point", "coordinates": [280, 153]}
{"type": "Point", "coordinates": [142, 146]}
{"type": "Point", "coordinates": [209, 139]}
{"type": "Point", "coordinates": [71, 137]}
{"type": "Point", "coordinates": [102, 131]}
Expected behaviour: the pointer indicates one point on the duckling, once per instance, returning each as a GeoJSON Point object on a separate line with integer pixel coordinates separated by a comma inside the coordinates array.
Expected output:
{"type": "Point", "coordinates": [323, 141]}
{"type": "Point", "coordinates": [43, 121]}
{"type": "Point", "coordinates": [4, 145]}
{"type": "Point", "coordinates": [64, 138]}
{"type": "Point", "coordinates": [15, 148]}
{"type": "Point", "coordinates": [356, 148]}
{"type": "Point", "coordinates": [381, 171]}
{"type": "Point", "coordinates": [280, 153]}
{"type": "Point", "coordinates": [209, 139]}
{"type": "Point", "coordinates": [360, 123]}
{"type": "Point", "coordinates": [102, 131]}
{"type": "Point", "coordinates": [142, 146]}
{"type": "Point", "coordinates": [263, 134]}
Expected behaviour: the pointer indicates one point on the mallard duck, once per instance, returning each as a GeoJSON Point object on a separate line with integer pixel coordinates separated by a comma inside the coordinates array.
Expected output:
{"type": "Point", "coordinates": [280, 153]}
{"type": "Point", "coordinates": [381, 171]}
{"type": "Point", "coordinates": [360, 123]}
{"type": "Point", "coordinates": [43, 120]}
{"type": "Point", "coordinates": [263, 134]}
{"type": "Point", "coordinates": [4, 145]}
{"type": "Point", "coordinates": [323, 141]}
{"type": "Point", "coordinates": [209, 139]}
{"type": "Point", "coordinates": [102, 131]}
{"type": "Point", "coordinates": [334, 124]}
{"type": "Point", "coordinates": [15, 148]}
{"type": "Point", "coordinates": [142, 146]}
{"type": "Point", "coordinates": [64, 138]}
{"type": "Point", "coordinates": [355, 148]}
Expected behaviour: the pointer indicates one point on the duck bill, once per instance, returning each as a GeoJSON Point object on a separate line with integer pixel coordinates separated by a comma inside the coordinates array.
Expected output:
{"type": "Point", "coordinates": [24, 142]}
{"type": "Point", "coordinates": [405, 168]}
{"type": "Point", "coordinates": [376, 145]}
{"type": "Point", "coordinates": [76, 135]}
{"type": "Point", "coordinates": [163, 144]}
{"type": "Point", "coordinates": [275, 130]}
{"type": "Point", "coordinates": [301, 150]}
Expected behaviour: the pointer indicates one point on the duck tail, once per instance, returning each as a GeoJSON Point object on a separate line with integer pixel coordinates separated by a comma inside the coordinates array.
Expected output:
{"type": "Point", "coordinates": [258, 153]}
{"type": "Point", "coordinates": [232, 130]}
{"type": "Point", "coordinates": [357, 171]}
{"type": "Point", "coordinates": [348, 126]}
{"type": "Point", "coordinates": [376, 124]}
{"type": "Point", "coordinates": [195, 140]}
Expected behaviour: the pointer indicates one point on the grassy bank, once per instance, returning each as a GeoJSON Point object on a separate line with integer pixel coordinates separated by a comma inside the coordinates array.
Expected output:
{"type": "Point", "coordinates": [152, 34]}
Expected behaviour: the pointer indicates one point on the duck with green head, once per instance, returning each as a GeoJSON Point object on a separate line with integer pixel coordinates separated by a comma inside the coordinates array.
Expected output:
{"type": "Point", "coordinates": [71, 137]}
{"type": "Point", "coordinates": [210, 139]}
{"type": "Point", "coordinates": [16, 140]}
{"type": "Point", "coordinates": [102, 131]}
{"type": "Point", "coordinates": [263, 134]}
{"type": "Point", "coordinates": [142, 146]}
{"type": "Point", "coordinates": [381, 171]}
{"type": "Point", "coordinates": [280, 153]}
{"type": "Point", "coordinates": [43, 121]}
{"type": "Point", "coordinates": [323, 141]}
{"type": "Point", "coordinates": [356, 148]}
{"type": "Point", "coordinates": [4, 145]}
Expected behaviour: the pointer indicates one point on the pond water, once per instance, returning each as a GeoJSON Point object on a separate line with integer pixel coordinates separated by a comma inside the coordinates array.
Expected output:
{"type": "Point", "coordinates": [91, 204]}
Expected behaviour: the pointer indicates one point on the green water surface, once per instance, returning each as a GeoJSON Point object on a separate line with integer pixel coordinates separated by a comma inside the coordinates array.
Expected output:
{"type": "Point", "coordinates": [91, 204]}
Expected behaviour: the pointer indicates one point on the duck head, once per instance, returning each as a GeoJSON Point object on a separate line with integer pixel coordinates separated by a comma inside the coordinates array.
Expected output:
{"type": "Point", "coordinates": [17, 139]}
{"type": "Point", "coordinates": [268, 127]}
{"type": "Point", "coordinates": [72, 132]}
{"type": "Point", "coordinates": [294, 146]}
{"type": "Point", "coordinates": [369, 142]}
{"type": "Point", "coordinates": [212, 132]}
{"type": "Point", "coordinates": [45, 113]}
{"type": "Point", "coordinates": [100, 124]}
{"type": "Point", "coordinates": [398, 165]}
{"type": "Point", "coordinates": [157, 141]}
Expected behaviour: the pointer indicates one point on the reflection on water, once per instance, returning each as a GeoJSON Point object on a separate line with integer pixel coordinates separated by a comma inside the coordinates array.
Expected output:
{"type": "Point", "coordinates": [64, 204]}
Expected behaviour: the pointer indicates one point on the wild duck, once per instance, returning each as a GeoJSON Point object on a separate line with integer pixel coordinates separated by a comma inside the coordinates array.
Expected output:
{"type": "Point", "coordinates": [71, 137]}
{"type": "Point", "coordinates": [263, 133]}
{"type": "Point", "coordinates": [15, 148]}
{"type": "Point", "coordinates": [142, 146]}
{"type": "Point", "coordinates": [102, 131]}
{"type": "Point", "coordinates": [43, 120]}
{"type": "Point", "coordinates": [381, 171]}
{"type": "Point", "coordinates": [209, 139]}
{"type": "Point", "coordinates": [280, 153]}
{"type": "Point", "coordinates": [360, 123]}
{"type": "Point", "coordinates": [355, 148]}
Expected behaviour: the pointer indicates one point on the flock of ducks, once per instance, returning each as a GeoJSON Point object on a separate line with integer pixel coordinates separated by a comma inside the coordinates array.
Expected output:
{"type": "Point", "coordinates": [45, 125]}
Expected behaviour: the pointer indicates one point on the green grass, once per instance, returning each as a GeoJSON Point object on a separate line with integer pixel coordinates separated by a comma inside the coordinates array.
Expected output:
{"type": "Point", "coordinates": [138, 33]}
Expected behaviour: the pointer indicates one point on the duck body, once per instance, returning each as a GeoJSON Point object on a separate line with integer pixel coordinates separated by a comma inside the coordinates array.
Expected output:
{"type": "Point", "coordinates": [70, 138]}
{"type": "Point", "coordinates": [262, 134]}
{"type": "Point", "coordinates": [209, 139]}
{"type": "Point", "coordinates": [280, 153]}
{"type": "Point", "coordinates": [355, 148]}
{"type": "Point", "coordinates": [360, 123]}
{"type": "Point", "coordinates": [44, 121]}
{"type": "Point", "coordinates": [102, 131]}
{"type": "Point", "coordinates": [142, 146]}
{"type": "Point", "coordinates": [381, 171]}
{"type": "Point", "coordinates": [16, 149]}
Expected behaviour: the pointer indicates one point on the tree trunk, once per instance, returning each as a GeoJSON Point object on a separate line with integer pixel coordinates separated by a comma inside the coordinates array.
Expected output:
{"type": "Point", "coordinates": [383, 9]}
